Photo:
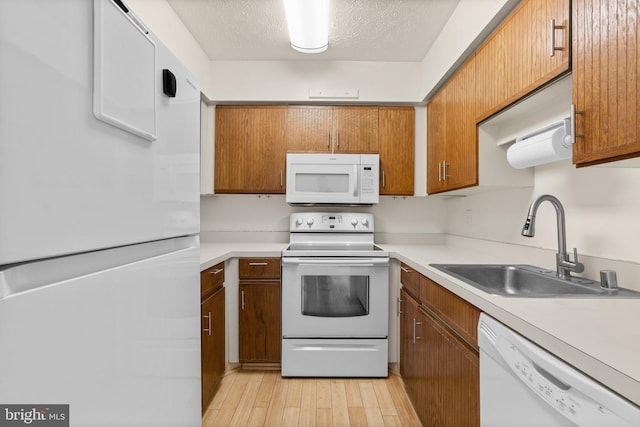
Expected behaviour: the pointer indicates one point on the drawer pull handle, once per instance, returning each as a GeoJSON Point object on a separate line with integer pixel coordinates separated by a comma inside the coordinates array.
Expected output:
{"type": "Point", "coordinates": [574, 135]}
{"type": "Point", "coordinates": [414, 330]}
{"type": "Point", "coordinates": [216, 272]}
{"type": "Point", "coordinates": [406, 270]}
{"type": "Point", "coordinates": [208, 329]}
{"type": "Point", "coordinates": [552, 37]}
{"type": "Point", "coordinates": [258, 264]}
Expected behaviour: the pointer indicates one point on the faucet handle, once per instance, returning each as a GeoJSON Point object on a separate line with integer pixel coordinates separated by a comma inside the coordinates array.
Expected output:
{"type": "Point", "coordinates": [579, 267]}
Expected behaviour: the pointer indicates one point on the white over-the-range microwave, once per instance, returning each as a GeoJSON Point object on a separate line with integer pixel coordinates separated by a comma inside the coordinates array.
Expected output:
{"type": "Point", "coordinates": [338, 179]}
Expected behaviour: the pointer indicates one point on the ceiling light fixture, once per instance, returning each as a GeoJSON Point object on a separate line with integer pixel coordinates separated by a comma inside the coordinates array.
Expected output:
{"type": "Point", "coordinates": [308, 23]}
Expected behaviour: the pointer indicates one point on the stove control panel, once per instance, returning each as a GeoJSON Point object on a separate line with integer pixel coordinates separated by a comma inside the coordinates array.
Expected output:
{"type": "Point", "coordinates": [331, 222]}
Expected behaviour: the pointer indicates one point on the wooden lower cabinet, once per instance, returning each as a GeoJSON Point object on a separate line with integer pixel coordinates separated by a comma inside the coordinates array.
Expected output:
{"type": "Point", "coordinates": [450, 374]}
{"type": "Point", "coordinates": [441, 372]}
{"type": "Point", "coordinates": [260, 337]}
{"type": "Point", "coordinates": [212, 345]}
{"type": "Point", "coordinates": [410, 349]}
{"type": "Point", "coordinates": [259, 307]}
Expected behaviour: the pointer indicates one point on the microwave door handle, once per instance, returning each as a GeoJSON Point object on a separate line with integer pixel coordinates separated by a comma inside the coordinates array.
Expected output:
{"type": "Point", "coordinates": [355, 180]}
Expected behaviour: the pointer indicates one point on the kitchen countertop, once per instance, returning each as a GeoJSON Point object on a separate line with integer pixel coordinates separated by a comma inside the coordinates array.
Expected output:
{"type": "Point", "coordinates": [597, 336]}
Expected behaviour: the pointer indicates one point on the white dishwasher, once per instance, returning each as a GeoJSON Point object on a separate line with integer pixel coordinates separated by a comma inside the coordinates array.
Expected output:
{"type": "Point", "coordinates": [522, 384]}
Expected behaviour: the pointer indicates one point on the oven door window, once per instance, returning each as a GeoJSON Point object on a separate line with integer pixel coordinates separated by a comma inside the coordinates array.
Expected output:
{"type": "Point", "coordinates": [335, 296]}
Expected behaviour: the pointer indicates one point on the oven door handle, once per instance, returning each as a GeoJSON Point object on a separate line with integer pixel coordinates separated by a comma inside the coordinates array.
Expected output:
{"type": "Point", "coordinates": [360, 262]}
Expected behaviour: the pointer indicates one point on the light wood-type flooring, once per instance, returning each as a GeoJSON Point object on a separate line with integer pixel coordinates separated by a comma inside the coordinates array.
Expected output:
{"type": "Point", "coordinates": [264, 398]}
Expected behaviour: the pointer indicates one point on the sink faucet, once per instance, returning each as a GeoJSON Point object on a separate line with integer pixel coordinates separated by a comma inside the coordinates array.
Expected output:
{"type": "Point", "coordinates": [564, 265]}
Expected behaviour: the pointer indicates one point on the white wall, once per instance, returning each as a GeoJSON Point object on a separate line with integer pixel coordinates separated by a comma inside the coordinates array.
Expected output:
{"type": "Point", "coordinates": [471, 21]}
{"type": "Point", "coordinates": [164, 23]}
{"type": "Point", "coordinates": [251, 213]}
{"type": "Point", "coordinates": [290, 81]}
{"type": "Point", "coordinates": [601, 207]}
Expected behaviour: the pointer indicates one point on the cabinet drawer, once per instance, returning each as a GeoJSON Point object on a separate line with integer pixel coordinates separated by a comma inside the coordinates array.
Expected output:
{"type": "Point", "coordinates": [460, 315]}
{"type": "Point", "coordinates": [211, 279]}
{"type": "Point", "coordinates": [259, 268]}
{"type": "Point", "coordinates": [410, 280]}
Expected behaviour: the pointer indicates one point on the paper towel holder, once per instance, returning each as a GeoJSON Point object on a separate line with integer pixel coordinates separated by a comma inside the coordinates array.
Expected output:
{"type": "Point", "coordinates": [568, 126]}
{"type": "Point", "coordinates": [546, 145]}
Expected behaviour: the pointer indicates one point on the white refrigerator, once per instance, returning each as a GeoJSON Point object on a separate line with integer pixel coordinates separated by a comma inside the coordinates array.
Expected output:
{"type": "Point", "coordinates": [99, 218]}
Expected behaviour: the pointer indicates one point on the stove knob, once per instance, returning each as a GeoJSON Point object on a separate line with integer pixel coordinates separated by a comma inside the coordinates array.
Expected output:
{"type": "Point", "coordinates": [365, 222]}
{"type": "Point", "coordinates": [310, 222]}
{"type": "Point", "coordinates": [354, 222]}
{"type": "Point", "coordinates": [299, 222]}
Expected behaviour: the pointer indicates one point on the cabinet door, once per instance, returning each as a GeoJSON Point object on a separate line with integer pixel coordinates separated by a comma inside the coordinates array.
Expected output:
{"type": "Point", "coordinates": [408, 360]}
{"type": "Point", "coordinates": [517, 58]}
{"type": "Point", "coordinates": [397, 146]}
{"type": "Point", "coordinates": [250, 149]}
{"type": "Point", "coordinates": [606, 80]}
{"type": "Point", "coordinates": [230, 148]}
{"type": "Point", "coordinates": [309, 129]}
{"type": "Point", "coordinates": [451, 377]}
{"type": "Point", "coordinates": [355, 129]}
{"type": "Point", "coordinates": [212, 345]}
{"type": "Point", "coordinates": [452, 142]}
{"type": "Point", "coordinates": [490, 86]}
{"type": "Point", "coordinates": [436, 139]}
{"type": "Point", "coordinates": [260, 336]}
{"type": "Point", "coordinates": [460, 168]}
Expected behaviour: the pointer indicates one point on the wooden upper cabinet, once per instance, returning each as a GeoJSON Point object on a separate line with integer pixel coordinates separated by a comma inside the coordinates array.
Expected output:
{"type": "Point", "coordinates": [523, 53]}
{"type": "Point", "coordinates": [309, 129]}
{"type": "Point", "coordinates": [460, 167]}
{"type": "Point", "coordinates": [344, 129]}
{"type": "Point", "coordinates": [606, 80]}
{"type": "Point", "coordinates": [250, 149]}
{"type": "Point", "coordinates": [490, 79]}
{"type": "Point", "coordinates": [355, 129]}
{"type": "Point", "coordinates": [436, 138]}
{"type": "Point", "coordinates": [452, 148]}
{"type": "Point", "coordinates": [397, 141]}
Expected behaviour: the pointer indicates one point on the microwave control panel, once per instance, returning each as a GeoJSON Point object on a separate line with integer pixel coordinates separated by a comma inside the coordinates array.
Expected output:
{"type": "Point", "coordinates": [368, 180]}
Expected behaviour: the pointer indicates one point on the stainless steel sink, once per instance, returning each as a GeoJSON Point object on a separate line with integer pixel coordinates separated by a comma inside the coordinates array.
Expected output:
{"type": "Point", "coordinates": [528, 281]}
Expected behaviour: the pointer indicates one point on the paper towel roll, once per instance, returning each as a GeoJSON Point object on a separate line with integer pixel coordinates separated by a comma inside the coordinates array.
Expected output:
{"type": "Point", "coordinates": [545, 147]}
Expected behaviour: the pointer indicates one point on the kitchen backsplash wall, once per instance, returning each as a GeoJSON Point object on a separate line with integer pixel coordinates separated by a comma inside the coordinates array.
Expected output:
{"type": "Point", "coordinates": [251, 213]}
{"type": "Point", "coordinates": [601, 206]}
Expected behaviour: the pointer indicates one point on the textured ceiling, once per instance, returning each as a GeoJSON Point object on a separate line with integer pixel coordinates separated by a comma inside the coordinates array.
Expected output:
{"type": "Point", "coordinates": [359, 30]}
